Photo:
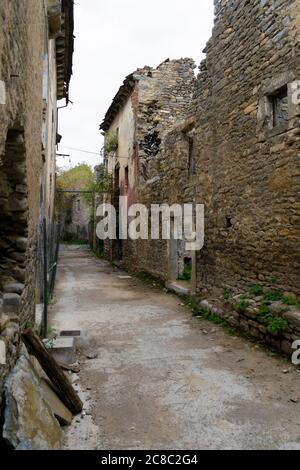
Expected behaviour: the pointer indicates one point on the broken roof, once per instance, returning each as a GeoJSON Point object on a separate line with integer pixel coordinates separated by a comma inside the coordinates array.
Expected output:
{"type": "Point", "coordinates": [64, 50]}
{"type": "Point", "coordinates": [119, 100]}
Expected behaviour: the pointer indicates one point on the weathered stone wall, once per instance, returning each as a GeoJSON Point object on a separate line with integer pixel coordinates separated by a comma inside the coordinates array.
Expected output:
{"type": "Point", "coordinates": [248, 167]}
{"type": "Point", "coordinates": [162, 100]}
{"type": "Point", "coordinates": [75, 218]}
{"type": "Point", "coordinates": [22, 41]}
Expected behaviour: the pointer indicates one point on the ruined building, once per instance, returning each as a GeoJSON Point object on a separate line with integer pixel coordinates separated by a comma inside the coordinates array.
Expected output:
{"type": "Point", "coordinates": [75, 219]}
{"type": "Point", "coordinates": [146, 108]}
{"type": "Point", "coordinates": [36, 47]}
{"type": "Point", "coordinates": [233, 146]}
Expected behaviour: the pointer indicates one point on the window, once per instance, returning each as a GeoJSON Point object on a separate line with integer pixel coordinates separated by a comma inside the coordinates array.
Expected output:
{"type": "Point", "coordinates": [192, 160]}
{"type": "Point", "coordinates": [279, 107]}
{"type": "Point", "coordinates": [126, 179]}
{"type": "Point", "coordinates": [228, 223]}
{"type": "Point", "coordinates": [192, 149]}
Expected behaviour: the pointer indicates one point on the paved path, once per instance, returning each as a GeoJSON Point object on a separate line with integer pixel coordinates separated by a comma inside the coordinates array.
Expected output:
{"type": "Point", "coordinates": [163, 379]}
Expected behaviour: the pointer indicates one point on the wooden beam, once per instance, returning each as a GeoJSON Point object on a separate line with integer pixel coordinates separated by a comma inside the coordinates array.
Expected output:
{"type": "Point", "coordinates": [65, 390]}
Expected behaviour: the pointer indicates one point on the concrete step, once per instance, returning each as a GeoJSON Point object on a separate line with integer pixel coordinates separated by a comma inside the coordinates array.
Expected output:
{"type": "Point", "coordinates": [62, 349]}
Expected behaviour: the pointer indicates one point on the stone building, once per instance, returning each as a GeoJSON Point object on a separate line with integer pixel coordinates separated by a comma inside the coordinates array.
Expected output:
{"type": "Point", "coordinates": [36, 46]}
{"type": "Point", "coordinates": [75, 218]}
{"type": "Point", "coordinates": [235, 149]}
{"type": "Point", "coordinates": [147, 106]}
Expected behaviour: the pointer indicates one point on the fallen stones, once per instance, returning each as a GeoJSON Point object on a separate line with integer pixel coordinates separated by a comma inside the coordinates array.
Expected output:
{"type": "Point", "coordinates": [28, 420]}
{"type": "Point", "coordinates": [92, 356]}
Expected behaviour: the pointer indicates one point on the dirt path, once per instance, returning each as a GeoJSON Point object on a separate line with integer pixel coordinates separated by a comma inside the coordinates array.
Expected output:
{"type": "Point", "coordinates": [163, 379]}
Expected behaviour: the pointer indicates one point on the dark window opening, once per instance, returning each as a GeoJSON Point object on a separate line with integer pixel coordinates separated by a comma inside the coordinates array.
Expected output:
{"type": "Point", "coordinates": [229, 222]}
{"type": "Point", "coordinates": [126, 179]}
{"type": "Point", "coordinates": [279, 106]}
{"type": "Point", "coordinates": [192, 159]}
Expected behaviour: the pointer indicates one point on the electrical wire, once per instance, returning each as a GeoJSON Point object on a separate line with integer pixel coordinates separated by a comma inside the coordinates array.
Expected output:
{"type": "Point", "coordinates": [80, 150]}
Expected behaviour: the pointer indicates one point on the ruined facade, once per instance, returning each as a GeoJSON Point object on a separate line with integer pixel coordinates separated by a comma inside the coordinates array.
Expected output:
{"type": "Point", "coordinates": [235, 149]}
{"type": "Point", "coordinates": [146, 108]}
{"type": "Point", "coordinates": [75, 218]}
{"type": "Point", "coordinates": [36, 45]}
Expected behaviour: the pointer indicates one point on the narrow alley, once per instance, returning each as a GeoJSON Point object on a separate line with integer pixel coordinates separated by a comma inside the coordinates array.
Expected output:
{"type": "Point", "coordinates": [157, 377]}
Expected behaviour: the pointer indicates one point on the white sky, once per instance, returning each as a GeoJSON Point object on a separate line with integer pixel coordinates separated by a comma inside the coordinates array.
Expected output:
{"type": "Point", "coordinates": [113, 38]}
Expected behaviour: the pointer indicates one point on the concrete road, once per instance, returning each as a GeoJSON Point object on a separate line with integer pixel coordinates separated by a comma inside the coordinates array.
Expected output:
{"type": "Point", "coordinates": [163, 379]}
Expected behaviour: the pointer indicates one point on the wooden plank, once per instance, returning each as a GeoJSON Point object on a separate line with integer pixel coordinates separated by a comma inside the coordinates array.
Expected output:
{"type": "Point", "coordinates": [66, 392]}
{"type": "Point", "coordinates": [59, 410]}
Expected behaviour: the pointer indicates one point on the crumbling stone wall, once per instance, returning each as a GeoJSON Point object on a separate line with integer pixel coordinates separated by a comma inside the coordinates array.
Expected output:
{"type": "Point", "coordinates": [75, 216]}
{"type": "Point", "coordinates": [161, 100]}
{"type": "Point", "coordinates": [245, 125]}
{"type": "Point", "coordinates": [22, 35]}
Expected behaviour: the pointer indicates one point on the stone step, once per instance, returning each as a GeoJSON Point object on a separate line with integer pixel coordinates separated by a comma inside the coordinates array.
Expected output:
{"type": "Point", "coordinates": [62, 349]}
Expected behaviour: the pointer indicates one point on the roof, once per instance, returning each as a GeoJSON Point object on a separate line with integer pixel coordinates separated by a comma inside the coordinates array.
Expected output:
{"type": "Point", "coordinates": [64, 50]}
{"type": "Point", "coordinates": [119, 100]}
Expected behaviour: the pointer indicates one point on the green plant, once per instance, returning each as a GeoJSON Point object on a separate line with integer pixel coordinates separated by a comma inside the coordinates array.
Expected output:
{"type": "Point", "coordinates": [277, 325]}
{"type": "Point", "coordinates": [70, 241]}
{"type": "Point", "coordinates": [111, 142]}
{"type": "Point", "coordinates": [274, 279]}
{"type": "Point", "coordinates": [51, 337]}
{"type": "Point", "coordinates": [226, 294]}
{"type": "Point", "coordinates": [186, 274]}
{"type": "Point", "coordinates": [255, 290]}
{"type": "Point", "coordinates": [241, 306]}
{"type": "Point", "coordinates": [264, 310]}
{"type": "Point", "coordinates": [264, 313]}
{"type": "Point", "coordinates": [291, 301]}
{"type": "Point", "coordinates": [273, 295]}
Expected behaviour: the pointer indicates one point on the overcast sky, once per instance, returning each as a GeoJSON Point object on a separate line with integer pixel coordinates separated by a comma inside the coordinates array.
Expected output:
{"type": "Point", "coordinates": [113, 38]}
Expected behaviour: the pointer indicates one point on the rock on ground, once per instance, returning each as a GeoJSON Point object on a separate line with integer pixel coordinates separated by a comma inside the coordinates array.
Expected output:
{"type": "Point", "coordinates": [29, 422]}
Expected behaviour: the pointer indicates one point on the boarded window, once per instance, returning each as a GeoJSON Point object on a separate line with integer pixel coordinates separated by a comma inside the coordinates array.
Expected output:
{"type": "Point", "coordinates": [279, 107]}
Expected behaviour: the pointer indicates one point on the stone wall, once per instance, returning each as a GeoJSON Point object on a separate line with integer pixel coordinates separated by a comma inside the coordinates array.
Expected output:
{"type": "Point", "coordinates": [75, 218]}
{"type": "Point", "coordinates": [160, 99]}
{"type": "Point", "coordinates": [22, 35]}
{"type": "Point", "coordinates": [234, 147]}
{"type": "Point", "coordinates": [248, 158]}
{"type": "Point", "coordinates": [246, 140]}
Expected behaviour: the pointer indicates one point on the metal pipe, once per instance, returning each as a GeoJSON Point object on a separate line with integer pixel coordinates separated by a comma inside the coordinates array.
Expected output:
{"type": "Point", "coordinates": [45, 289]}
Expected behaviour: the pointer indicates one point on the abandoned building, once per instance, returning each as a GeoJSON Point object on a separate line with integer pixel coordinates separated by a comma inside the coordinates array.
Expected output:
{"type": "Point", "coordinates": [74, 218]}
{"type": "Point", "coordinates": [148, 105]}
{"type": "Point", "coordinates": [230, 140]}
{"type": "Point", "coordinates": [36, 47]}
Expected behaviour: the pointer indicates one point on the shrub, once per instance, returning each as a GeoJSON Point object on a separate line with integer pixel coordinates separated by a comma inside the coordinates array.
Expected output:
{"type": "Point", "coordinates": [111, 142]}
{"type": "Point", "coordinates": [186, 274]}
{"type": "Point", "coordinates": [242, 306]}
{"type": "Point", "coordinates": [278, 325]}
{"type": "Point", "coordinates": [273, 295]}
{"type": "Point", "coordinates": [255, 290]}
